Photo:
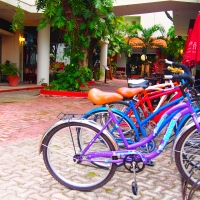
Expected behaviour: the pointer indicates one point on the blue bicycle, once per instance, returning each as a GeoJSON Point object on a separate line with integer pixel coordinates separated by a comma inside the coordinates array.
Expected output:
{"type": "Point", "coordinates": [140, 128]}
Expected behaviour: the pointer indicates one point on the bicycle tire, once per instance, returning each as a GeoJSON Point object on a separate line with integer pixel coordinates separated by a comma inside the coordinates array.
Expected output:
{"type": "Point", "coordinates": [83, 176]}
{"type": "Point", "coordinates": [119, 105]}
{"type": "Point", "coordinates": [187, 156]}
{"type": "Point", "coordinates": [123, 105]}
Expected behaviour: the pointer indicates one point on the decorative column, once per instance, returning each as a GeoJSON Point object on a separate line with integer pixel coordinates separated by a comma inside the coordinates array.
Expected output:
{"type": "Point", "coordinates": [103, 58]}
{"type": "Point", "coordinates": [43, 43]}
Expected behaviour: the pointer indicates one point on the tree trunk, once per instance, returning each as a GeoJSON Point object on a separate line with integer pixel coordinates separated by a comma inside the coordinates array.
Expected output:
{"type": "Point", "coordinates": [84, 63]}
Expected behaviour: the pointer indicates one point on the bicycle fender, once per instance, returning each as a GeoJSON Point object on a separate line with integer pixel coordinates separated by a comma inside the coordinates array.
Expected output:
{"type": "Point", "coordinates": [84, 121]}
{"type": "Point", "coordinates": [101, 108]}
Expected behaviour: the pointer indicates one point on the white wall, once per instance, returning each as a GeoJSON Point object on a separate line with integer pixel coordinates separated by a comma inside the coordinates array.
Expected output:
{"type": "Point", "coordinates": [147, 21]}
{"type": "Point", "coordinates": [121, 61]}
{"type": "Point", "coordinates": [11, 48]}
{"type": "Point", "coordinates": [151, 19]}
{"type": "Point", "coordinates": [130, 19]}
{"type": "Point", "coordinates": [28, 5]}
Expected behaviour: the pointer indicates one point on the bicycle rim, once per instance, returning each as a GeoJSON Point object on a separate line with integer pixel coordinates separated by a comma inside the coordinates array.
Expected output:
{"type": "Point", "coordinates": [123, 105]}
{"type": "Point", "coordinates": [187, 156]}
{"type": "Point", "coordinates": [58, 154]}
{"type": "Point", "coordinates": [120, 105]}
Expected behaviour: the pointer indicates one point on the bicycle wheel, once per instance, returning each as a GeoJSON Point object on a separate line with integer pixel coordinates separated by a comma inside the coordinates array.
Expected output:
{"type": "Point", "coordinates": [59, 157]}
{"type": "Point", "coordinates": [120, 105]}
{"type": "Point", "coordinates": [123, 105]}
{"type": "Point", "coordinates": [101, 116]}
{"type": "Point", "coordinates": [187, 156]}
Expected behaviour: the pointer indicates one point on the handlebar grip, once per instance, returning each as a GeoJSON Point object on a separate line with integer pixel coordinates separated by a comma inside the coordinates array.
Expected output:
{"type": "Point", "coordinates": [166, 61]}
{"type": "Point", "coordinates": [168, 76]}
{"type": "Point", "coordinates": [184, 67]}
{"type": "Point", "coordinates": [176, 70]}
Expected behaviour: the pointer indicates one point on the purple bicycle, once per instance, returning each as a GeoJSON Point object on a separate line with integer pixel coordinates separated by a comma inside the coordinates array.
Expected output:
{"type": "Point", "coordinates": [88, 162]}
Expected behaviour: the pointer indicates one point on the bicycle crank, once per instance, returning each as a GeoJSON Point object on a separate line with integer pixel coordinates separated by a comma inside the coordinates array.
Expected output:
{"type": "Point", "coordinates": [128, 164]}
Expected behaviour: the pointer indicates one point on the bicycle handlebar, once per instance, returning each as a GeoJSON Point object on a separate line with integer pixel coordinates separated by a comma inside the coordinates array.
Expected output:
{"type": "Point", "coordinates": [184, 67]}
{"type": "Point", "coordinates": [189, 79]}
{"type": "Point", "coordinates": [176, 64]}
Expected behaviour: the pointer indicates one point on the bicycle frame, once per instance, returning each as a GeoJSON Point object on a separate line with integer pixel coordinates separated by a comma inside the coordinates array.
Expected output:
{"type": "Point", "coordinates": [183, 120]}
{"type": "Point", "coordinates": [157, 94]}
{"type": "Point", "coordinates": [171, 116]}
{"type": "Point", "coordinates": [140, 123]}
{"type": "Point", "coordinates": [151, 91]}
{"type": "Point", "coordinates": [157, 114]}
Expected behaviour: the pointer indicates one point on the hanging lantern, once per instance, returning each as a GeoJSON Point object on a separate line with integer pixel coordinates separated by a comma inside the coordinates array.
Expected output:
{"type": "Point", "coordinates": [143, 57]}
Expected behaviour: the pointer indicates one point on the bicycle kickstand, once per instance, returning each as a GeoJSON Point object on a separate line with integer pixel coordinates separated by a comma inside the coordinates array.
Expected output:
{"type": "Point", "coordinates": [134, 182]}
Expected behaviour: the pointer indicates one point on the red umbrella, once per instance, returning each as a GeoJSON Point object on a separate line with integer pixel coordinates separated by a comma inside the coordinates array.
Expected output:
{"type": "Point", "coordinates": [187, 40]}
{"type": "Point", "coordinates": [192, 54]}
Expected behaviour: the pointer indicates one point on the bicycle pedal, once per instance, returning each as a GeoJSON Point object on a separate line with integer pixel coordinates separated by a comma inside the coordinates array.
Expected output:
{"type": "Point", "coordinates": [150, 163]}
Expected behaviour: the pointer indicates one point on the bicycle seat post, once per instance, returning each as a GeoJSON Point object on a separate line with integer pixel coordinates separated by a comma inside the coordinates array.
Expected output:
{"type": "Point", "coordinates": [108, 107]}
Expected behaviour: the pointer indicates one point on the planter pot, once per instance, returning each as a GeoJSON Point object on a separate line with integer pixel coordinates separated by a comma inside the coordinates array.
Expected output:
{"type": "Point", "coordinates": [13, 80]}
{"type": "Point", "coordinates": [58, 65]}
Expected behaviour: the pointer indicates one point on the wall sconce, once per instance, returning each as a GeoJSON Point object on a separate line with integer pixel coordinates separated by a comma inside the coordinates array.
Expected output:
{"type": "Point", "coordinates": [21, 39]}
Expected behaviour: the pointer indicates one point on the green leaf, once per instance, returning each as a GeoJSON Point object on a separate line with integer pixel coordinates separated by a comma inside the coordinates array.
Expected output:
{"type": "Point", "coordinates": [18, 19]}
{"type": "Point", "coordinates": [91, 174]}
{"type": "Point", "coordinates": [91, 25]}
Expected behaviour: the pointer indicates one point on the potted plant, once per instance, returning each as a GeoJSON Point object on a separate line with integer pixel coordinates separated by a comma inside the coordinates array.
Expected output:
{"type": "Point", "coordinates": [11, 71]}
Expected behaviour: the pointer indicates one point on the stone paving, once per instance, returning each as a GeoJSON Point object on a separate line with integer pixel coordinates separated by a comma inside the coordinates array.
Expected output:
{"type": "Point", "coordinates": [25, 115]}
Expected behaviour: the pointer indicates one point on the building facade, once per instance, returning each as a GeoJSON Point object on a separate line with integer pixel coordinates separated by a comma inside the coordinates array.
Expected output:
{"type": "Point", "coordinates": [33, 53]}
